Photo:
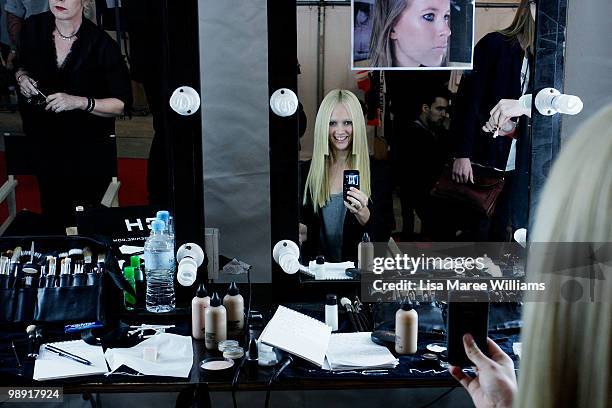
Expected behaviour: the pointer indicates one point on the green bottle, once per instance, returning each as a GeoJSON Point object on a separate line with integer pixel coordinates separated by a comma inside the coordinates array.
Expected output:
{"type": "Point", "coordinates": [128, 299]}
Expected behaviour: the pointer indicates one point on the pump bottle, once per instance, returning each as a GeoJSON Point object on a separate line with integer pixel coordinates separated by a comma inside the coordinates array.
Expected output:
{"type": "Point", "coordinates": [215, 326]}
{"type": "Point", "coordinates": [234, 305]}
{"type": "Point", "coordinates": [406, 329]}
{"type": "Point", "coordinates": [199, 304]}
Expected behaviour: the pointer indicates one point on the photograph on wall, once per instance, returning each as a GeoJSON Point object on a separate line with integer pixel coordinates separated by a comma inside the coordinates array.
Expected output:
{"type": "Point", "coordinates": [412, 34]}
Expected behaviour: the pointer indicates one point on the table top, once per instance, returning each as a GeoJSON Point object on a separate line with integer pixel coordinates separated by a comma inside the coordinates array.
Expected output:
{"type": "Point", "coordinates": [412, 370]}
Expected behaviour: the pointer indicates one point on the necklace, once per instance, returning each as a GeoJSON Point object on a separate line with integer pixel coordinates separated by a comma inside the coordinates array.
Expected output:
{"type": "Point", "coordinates": [66, 37]}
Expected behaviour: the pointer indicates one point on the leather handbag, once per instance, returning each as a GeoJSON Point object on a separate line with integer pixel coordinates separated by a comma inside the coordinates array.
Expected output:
{"type": "Point", "coordinates": [480, 196]}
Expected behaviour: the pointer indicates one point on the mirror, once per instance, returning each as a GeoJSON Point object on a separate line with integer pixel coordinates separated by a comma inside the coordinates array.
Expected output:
{"type": "Point", "coordinates": [413, 119]}
{"type": "Point", "coordinates": [65, 156]}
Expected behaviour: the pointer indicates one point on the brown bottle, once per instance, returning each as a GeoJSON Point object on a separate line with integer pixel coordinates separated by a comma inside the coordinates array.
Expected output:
{"type": "Point", "coordinates": [199, 304]}
{"type": "Point", "coordinates": [406, 329]}
{"type": "Point", "coordinates": [215, 325]}
{"type": "Point", "coordinates": [234, 305]}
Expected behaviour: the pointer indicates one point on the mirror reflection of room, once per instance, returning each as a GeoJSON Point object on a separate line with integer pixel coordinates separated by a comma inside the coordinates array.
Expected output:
{"type": "Point", "coordinates": [80, 106]}
{"type": "Point", "coordinates": [416, 122]}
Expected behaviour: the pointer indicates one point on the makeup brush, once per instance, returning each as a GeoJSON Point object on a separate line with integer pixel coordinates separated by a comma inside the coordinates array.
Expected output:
{"type": "Point", "coordinates": [30, 267]}
{"type": "Point", "coordinates": [51, 272]}
{"type": "Point", "coordinates": [15, 268]}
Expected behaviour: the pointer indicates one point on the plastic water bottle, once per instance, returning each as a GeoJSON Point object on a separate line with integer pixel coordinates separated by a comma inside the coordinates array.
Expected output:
{"type": "Point", "coordinates": [168, 220]}
{"type": "Point", "coordinates": [159, 270]}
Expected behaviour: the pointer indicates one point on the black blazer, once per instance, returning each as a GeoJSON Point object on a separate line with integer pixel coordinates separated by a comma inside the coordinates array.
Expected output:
{"type": "Point", "coordinates": [378, 227]}
{"type": "Point", "coordinates": [496, 75]}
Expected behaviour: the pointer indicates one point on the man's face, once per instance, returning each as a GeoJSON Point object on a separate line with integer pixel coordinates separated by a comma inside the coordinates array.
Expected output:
{"type": "Point", "coordinates": [437, 112]}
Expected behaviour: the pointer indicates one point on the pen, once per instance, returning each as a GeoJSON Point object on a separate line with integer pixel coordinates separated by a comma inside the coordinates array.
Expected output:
{"type": "Point", "coordinates": [66, 354]}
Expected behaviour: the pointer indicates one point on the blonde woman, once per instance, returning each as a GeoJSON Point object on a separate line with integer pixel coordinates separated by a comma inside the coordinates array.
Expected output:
{"type": "Point", "coordinates": [567, 353]}
{"type": "Point", "coordinates": [410, 33]}
{"type": "Point", "coordinates": [331, 225]}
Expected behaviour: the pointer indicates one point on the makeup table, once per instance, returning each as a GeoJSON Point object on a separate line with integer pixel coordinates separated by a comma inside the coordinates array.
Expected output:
{"type": "Point", "coordinates": [300, 374]}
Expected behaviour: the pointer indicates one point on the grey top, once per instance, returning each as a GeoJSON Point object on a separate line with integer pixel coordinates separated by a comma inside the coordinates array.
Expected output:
{"type": "Point", "coordinates": [332, 226]}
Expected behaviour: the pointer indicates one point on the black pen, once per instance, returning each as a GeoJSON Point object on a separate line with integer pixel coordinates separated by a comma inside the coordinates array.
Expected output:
{"type": "Point", "coordinates": [66, 354]}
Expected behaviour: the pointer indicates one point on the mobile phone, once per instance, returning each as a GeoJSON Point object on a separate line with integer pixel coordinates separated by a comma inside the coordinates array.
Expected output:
{"type": "Point", "coordinates": [350, 179]}
{"type": "Point", "coordinates": [468, 312]}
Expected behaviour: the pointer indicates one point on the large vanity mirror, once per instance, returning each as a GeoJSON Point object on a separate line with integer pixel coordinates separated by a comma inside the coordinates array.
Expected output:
{"type": "Point", "coordinates": [416, 124]}
{"type": "Point", "coordinates": [99, 139]}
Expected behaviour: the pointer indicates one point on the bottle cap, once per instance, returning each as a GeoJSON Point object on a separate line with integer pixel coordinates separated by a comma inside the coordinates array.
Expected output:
{"type": "Point", "coordinates": [135, 261]}
{"type": "Point", "coordinates": [233, 289]}
{"type": "Point", "coordinates": [407, 305]}
{"type": "Point", "coordinates": [215, 301]}
{"type": "Point", "coordinates": [128, 272]}
{"type": "Point", "coordinates": [331, 300]}
{"type": "Point", "coordinates": [158, 225]}
{"type": "Point", "coordinates": [320, 260]}
{"type": "Point", "coordinates": [163, 215]}
{"type": "Point", "coordinates": [201, 292]}
{"type": "Point", "coordinates": [253, 353]}
{"type": "Point", "coordinates": [365, 237]}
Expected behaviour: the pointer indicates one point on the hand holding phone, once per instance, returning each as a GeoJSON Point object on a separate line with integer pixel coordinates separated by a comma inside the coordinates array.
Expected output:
{"type": "Point", "coordinates": [495, 384]}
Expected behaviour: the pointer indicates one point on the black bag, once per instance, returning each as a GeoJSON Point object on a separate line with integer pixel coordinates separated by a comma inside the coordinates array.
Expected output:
{"type": "Point", "coordinates": [99, 300]}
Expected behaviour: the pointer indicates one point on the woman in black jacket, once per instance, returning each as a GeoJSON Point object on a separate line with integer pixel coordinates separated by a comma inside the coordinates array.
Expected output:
{"type": "Point", "coordinates": [485, 124]}
{"type": "Point", "coordinates": [76, 83]}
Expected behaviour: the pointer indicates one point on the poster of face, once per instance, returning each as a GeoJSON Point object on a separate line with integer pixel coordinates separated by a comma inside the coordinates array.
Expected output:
{"type": "Point", "coordinates": [412, 34]}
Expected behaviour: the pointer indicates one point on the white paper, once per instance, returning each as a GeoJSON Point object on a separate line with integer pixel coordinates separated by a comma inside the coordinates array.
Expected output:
{"type": "Point", "coordinates": [49, 366]}
{"type": "Point", "coordinates": [174, 356]}
{"type": "Point", "coordinates": [297, 334]}
{"type": "Point", "coordinates": [348, 351]}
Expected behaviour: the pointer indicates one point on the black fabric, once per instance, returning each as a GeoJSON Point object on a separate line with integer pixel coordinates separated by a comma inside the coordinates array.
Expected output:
{"type": "Point", "coordinates": [378, 227]}
{"type": "Point", "coordinates": [72, 148]}
{"type": "Point", "coordinates": [496, 75]}
{"type": "Point", "coordinates": [418, 157]}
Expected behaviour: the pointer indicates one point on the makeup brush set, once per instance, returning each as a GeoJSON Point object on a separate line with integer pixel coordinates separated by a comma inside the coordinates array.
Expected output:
{"type": "Point", "coordinates": [53, 279]}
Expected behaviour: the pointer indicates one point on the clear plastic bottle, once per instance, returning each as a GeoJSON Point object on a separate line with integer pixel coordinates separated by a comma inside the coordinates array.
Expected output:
{"type": "Point", "coordinates": [164, 216]}
{"type": "Point", "coordinates": [159, 270]}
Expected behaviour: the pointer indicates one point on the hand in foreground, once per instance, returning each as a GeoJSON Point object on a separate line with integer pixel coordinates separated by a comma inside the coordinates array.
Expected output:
{"type": "Point", "coordinates": [495, 385]}
{"type": "Point", "coordinates": [462, 170]}
{"type": "Point", "coordinates": [357, 203]}
{"type": "Point", "coordinates": [61, 102]}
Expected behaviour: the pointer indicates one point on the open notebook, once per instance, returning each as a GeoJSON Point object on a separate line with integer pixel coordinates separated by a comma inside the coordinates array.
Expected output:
{"type": "Point", "coordinates": [50, 366]}
{"type": "Point", "coordinates": [297, 334]}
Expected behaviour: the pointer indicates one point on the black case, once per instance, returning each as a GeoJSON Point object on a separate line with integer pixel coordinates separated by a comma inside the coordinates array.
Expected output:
{"type": "Point", "coordinates": [101, 301]}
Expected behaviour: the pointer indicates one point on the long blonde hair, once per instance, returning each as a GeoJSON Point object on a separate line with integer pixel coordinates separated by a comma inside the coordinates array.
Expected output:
{"type": "Point", "coordinates": [567, 358]}
{"type": "Point", "coordinates": [522, 27]}
{"type": "Point", "coordinates": [318, 181]}
{"type": "Point", "coordinates": [386, 15]}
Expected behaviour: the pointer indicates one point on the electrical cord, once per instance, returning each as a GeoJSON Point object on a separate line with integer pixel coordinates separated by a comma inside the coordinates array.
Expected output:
{"type": "Point", "coordinates": [235, 380]}
{"type": "Point", "coordinates": [284, 364]}
{"type": "Point", "coordinates": [244, 358]}
{"type": "Point", "coordinates": [444, 394]}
